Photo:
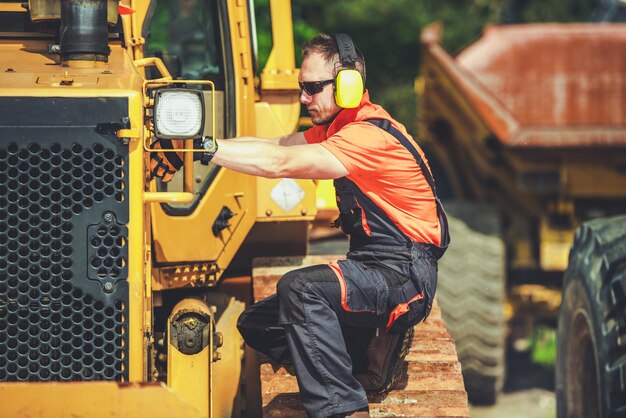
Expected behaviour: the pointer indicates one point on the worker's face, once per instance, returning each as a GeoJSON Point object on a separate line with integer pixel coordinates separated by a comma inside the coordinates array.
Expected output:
{"type": "Point", "coordinates": [321, 106]}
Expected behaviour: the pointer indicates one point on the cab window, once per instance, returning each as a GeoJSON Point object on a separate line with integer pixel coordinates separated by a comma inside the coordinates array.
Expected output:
{"type": "Point", "coordinates": [186, 35]}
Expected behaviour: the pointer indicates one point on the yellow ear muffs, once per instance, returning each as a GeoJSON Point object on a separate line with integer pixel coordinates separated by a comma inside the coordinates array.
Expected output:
{"type": "Point", "coordinates": [348, 82]}
{"type": "Point", "coordinates": [348, 89]}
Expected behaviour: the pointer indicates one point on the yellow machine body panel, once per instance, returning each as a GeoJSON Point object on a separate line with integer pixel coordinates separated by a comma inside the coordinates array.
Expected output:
{"type": "Point", "coordinates": [242, 66]}
{"type": "Point", "coordinates": [173, 234]}
{"type": "Point", "coordinates": [285, 199]}
{"type": "Point", "coordinates": [95, 399]}
{"type": "Point", "coordinates": [100, 246]}
{"type": "Point", "coordinates": [37, 73]}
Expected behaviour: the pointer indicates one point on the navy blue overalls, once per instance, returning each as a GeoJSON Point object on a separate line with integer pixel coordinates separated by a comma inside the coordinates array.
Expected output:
{"type": "Point", "coordinates": [387, 280]}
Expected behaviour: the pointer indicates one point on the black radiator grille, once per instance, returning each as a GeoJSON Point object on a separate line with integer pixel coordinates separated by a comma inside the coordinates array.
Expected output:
{"type": "Point", "coordinates": [64, 210]}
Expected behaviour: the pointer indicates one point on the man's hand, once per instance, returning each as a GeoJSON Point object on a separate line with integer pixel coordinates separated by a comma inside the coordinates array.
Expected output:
{"type": "Point", "coordinates": [165, 164]}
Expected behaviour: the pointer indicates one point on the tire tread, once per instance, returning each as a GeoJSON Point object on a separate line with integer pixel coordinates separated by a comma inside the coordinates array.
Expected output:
{"type": "Point", "coordinates": [471, 295]}
{"type": "Point", "coordinates": [598, 259]}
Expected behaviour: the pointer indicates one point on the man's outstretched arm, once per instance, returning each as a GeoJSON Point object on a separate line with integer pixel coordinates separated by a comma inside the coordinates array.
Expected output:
{"type": "Point", "coordinates": [287, 157]}
{"type": "Point", "coordinates": [296, 138]}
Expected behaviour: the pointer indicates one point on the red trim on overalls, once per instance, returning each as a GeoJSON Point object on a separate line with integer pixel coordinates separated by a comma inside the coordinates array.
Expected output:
{"type": "Point", "coordinates": [397, 312]}
{"type": "Point", "coordinates": [334, 265]}
{"type": "Point", "coordinates": [401, 309]}
{"type": "Point", "coordinates": [364, 224]}
{"type": "Point", "coordinates": [342, 283]}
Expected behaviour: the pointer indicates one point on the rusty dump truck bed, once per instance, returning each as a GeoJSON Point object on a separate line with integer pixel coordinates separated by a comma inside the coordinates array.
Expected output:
{"type": "Point", "coordinates": [542, 85]}
{"type": "Point", "coordinates": [528, 112]}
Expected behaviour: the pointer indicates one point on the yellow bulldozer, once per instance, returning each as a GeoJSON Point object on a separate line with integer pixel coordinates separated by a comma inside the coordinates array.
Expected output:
{"type": "Point", "coordinates": [110, 281]}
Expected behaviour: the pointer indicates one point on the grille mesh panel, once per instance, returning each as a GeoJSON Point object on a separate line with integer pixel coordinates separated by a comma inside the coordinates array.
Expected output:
{"type": "Point", "coordinates": [57, 322]}
{"type": "Point", "coordinates": [107, 251]}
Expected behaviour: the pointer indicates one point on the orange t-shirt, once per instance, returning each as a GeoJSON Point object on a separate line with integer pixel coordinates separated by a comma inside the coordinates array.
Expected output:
{"type": "Point", "coordinates": [382, 168]}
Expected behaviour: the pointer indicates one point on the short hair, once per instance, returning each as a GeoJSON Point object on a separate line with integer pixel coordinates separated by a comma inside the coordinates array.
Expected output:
{"type": "Point", "coordinates": [326, 45]}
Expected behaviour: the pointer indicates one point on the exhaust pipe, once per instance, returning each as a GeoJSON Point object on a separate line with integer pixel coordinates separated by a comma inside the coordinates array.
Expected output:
{"type": "Point", "coordinates": [84, 30]}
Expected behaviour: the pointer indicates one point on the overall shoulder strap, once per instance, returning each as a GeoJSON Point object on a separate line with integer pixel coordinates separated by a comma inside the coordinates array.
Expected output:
{"type": "Point", "coordinates": [386, 126]}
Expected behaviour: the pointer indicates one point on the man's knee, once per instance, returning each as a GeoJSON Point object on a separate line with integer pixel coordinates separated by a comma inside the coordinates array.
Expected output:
{"type": "Point", "coordinates": [244, 326]}
{"type": "Point", "coordinates": [289, 289]}
{"type": "Point", "coordinates": [296, 280]}
{"type": "Point", "coordinates": [258, 317]}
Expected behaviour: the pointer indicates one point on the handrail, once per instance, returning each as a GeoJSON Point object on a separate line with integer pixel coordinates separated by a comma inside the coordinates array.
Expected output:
{"type": "Point", "coordinates": [155, 62]}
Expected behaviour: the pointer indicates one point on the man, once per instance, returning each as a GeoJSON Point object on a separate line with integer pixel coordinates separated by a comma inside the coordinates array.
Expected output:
{"type": "Point", "coordinates": [397, 232]}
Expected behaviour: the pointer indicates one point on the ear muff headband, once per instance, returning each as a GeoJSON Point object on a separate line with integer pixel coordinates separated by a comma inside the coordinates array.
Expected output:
{"type": "Point", "coordinates": [347, 53]}
{"type": "Point", "coordinates": [348, 81]}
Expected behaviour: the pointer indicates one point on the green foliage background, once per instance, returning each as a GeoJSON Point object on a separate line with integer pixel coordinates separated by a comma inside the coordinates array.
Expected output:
{"type": "Point", "coordinates": [388, 33]}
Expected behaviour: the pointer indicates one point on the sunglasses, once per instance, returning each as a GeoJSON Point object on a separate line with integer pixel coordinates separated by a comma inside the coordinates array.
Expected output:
{"type": "Point", "coordinates": [314, 87]}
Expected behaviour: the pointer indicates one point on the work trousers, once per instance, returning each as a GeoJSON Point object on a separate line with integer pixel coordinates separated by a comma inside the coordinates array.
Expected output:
{"type": "Point", "coordinates": [305, 322]}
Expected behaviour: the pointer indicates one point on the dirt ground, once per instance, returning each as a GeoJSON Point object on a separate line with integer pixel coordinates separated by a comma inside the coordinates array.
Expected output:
{"type": "Point", "coordinates": [528, 392]}
{"type": "Point", "coordinates": [527, 403]}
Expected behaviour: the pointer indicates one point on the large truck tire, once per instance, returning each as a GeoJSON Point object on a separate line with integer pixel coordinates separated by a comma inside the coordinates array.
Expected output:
{"type": "Point", "coordinates": [471, 294]}
{"type": "Point", "coordinates": [591, 338]}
